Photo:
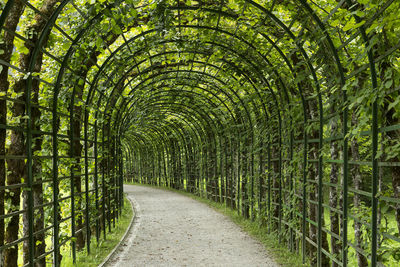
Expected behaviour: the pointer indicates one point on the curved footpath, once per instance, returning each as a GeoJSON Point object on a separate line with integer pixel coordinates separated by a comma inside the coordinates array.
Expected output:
{"type": "Point", "coordinates": [174, 230]}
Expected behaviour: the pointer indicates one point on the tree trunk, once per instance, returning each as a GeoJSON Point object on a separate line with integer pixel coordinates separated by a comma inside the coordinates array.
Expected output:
{"type": "Point", "coordinates": [357, 181]}
{"type": "Point", "coordinates": [245, 174]}
{"type": "Point", "coordinates": [7, 47]}
{"type": "Point", "coordinates": [16, 167]}
{"type": "Point", "coordinates": [313, 110]}
{"type": "Point", "coordinates": [393, 137]}
{"type": "Point", "coordinates": [261, 185]}
{"type": "Point", "coordinates": [275, 185]}
{"type": "Point", "coordinates": [313, 194]}
{"type": "Point", "coordinates": [391, 119]}
{"type": "Point", "coordinates": [333, 194]}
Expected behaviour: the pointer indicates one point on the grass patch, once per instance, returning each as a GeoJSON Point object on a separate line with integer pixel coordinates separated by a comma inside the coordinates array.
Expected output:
{"type": "Point", "coordinates": [98, 252]}
{"type": "Point", "coordinates": [278, 251]}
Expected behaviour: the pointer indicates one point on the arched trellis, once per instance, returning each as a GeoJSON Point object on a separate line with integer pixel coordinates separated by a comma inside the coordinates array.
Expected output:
{"type": "Point", "coordinates": [290, 108]}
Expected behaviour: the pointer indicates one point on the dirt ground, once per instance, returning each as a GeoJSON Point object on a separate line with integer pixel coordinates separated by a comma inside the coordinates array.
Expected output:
{"type": "Point", "coordinates": [173, 230]}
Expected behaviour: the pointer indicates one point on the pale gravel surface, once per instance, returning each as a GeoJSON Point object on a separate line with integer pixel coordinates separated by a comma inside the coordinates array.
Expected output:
{"type": "Point", "coordinates": [174, 230]}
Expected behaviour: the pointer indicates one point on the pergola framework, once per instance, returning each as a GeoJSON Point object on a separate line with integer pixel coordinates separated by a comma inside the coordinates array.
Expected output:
{"type": "Point", "coordinates": [287, 111]}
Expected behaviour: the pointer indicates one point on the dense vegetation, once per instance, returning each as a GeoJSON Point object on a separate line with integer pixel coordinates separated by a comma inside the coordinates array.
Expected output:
{"type": "Point", "coordinates": [286, 110]}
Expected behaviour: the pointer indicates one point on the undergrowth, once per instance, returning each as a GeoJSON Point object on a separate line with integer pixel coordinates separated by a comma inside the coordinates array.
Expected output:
{"type": "Point", "coordinates": [99, 251]}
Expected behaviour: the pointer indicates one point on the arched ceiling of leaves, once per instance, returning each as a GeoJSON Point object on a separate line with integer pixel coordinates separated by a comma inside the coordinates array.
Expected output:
{"type": "Point", "coordinates": [149, 64]}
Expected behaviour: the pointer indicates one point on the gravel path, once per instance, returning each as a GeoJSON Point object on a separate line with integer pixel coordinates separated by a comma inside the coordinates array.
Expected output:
{"type": "Point", "coordinates": [174, 230]}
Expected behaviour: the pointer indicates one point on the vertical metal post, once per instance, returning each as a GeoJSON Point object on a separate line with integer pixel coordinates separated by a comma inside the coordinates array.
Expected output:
{"type": "Point", "coordinates": [56, 248]}
{"type": "Point", "coordinates": [303, 239]}
{"type": "Point", "coordinates": [269, 186]}
{"type": "Point", "coordinates": [72, 184]}
{"type": "Point", "coordinates": [280, 181]}
{"type": "Point", "coordinates": [238, 189]}
{"type": "Point", "coordinates": [320, 185]}
{"type": "Point", "coordinates": [345, 182]}
{"type": "Point", "coordinates": [114, 181]}
{"type": "Point", "coordinates": [226, 173]}
{"type": "Point", "coordinates": [30, 210]}
{"type": "Point", "coordinates": [291, 191]}
{"type": "Point", "coordinates": [252, 182]}
{"type": "Point", "coordinates": [121, 179]}
{"type": "Point", "coordinates": [108, 176]}
{"type": "Point", "coordinates": [96, 184]}
{"type": "Point", "coordinates": [103, 184]}
{"type": "Point", "coordinates": [87, 211]}
{"type": "Point", "coordinates": [260, 180]}
{"type": "Point", "coordinates": [374, 241]}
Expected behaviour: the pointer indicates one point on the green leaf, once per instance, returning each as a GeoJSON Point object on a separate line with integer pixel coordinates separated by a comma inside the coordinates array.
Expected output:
{"type": "Point", "coordinates": [99, 43]}
{"type": "Point", "coordinates": [359, 24]}
{"type": "Point", "coordinates": [335, 23]}
{"type": "Point", "coordinates": [116, 29]}
{"type": "Point", "coordinates": [393, 104]}
{"type": "Point", "coordinates": [133, 12]}
{"type": "Point", "coordinates": [388, 84]}
{"type": "Point", "coordinates": [349, 25]}
{"type": "Point", "coordinates": [24, 50]}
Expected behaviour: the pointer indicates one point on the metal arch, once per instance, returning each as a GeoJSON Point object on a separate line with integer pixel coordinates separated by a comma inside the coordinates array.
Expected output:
{"type": "Point", "coordinates": [160, 74]}
{"type": "Point", "coordinates": [206, 90]}
{"type": "Point", "coordinates": [200, 116]}
{"type": "Point", "coordinates": [201, 73]}
{"type": "Point", "coordinates": [375, 126]}
{"type": "Point", "coordinates": [150, 31]}
{"type": "Point", "coordinates": [155, 97]}
{"type": "Point", "coordinates": [251, 176]}
{"type": "Point", "coordinates": [150, 68]}
{"type": "Point", "coordinates": [161, 135]}
{"type": "Point", "coordinates": [127, 113]}
{"type": "Point", "coordinates": [209, 100]}
{"type": "Point", "coordinates": [196, 116]}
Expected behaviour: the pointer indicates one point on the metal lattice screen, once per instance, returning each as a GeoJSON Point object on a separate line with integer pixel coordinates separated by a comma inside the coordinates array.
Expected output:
{"type": "Point", "coordinates": [287, 111]}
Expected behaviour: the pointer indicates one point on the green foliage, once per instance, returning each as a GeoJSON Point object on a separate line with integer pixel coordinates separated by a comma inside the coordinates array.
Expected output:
{"type": "Point", "coordinates": [212, 89]}
{"type": "Point", "coordinates": [99, 251]}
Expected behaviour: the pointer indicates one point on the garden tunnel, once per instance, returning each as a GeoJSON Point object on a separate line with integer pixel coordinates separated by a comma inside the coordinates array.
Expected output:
{"type": "Point", "coordinates": [286, 111]}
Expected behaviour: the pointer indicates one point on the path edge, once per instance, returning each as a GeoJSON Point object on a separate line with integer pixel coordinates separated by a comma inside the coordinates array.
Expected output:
{"type": "Point", "coordinates": [117, 246]}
